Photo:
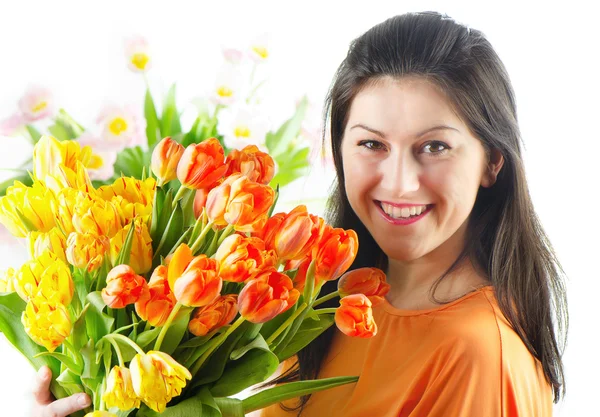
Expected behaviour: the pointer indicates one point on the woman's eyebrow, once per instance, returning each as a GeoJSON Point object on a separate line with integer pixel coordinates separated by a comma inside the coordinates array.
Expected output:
{"type": "Point", "coordinates": [381, 134]}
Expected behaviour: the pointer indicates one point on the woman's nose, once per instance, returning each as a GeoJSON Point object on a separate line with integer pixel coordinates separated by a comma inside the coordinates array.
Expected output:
{"type": "Point", "coordinates": [400, 175]}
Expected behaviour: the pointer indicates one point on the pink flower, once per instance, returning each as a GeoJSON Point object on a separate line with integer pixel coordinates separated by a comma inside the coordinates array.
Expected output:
{"type": "Point", "coordinates": [37, 103]}
{"type": "Point", "coordinates": [259, 48]}
{"type": "Point", "coordinates": [137, 53]}
{"type": "Point", "coordinates": [103, 158]}
{"type": "Point", "coordinates": [233, 55]}
{"type": "Point", "coordinates": [11, 124]}
{"type": "Point", "coordinates": [122, 127]}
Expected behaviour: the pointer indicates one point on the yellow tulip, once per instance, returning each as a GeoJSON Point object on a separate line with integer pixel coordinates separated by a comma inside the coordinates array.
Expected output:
{"type": "Point", "coordinates": [100, 414]}
{"type": "Point", "coordinates": [86, 250]}
{"type": "Point", "coordinates": [53, 241]}
{"type": "Point", "coordinates": [46, 323]}
{"type": "Point", "coordinates": [96, 216]}
{"type": "Point", "coordinates": [45, 277]}
{"type": "Point", "coordinates": [131, 197]}
{"type": "Point", "coordinates": [119, 390]}
{"type": "Point", "coordinates": [141, 247]}
{"type": "Point", "coordinates": [66, 201]}
{"type": "Point", "coordinates": [157, 378]}
{"type": "Point", "coordinates": [6, 280]}
{"type": "Point", "coordinates": [49, 154]}
{"type": "Point", "coordinates": [34, 204]}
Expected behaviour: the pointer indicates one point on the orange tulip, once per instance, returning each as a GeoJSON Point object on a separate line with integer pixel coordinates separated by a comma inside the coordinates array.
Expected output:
{"type": "Point", "coordinates": [241, 258]}
{"type": "Point", "coordinates": [354, 316]}
{"type": "Point", "coordinates": [335, 253]}
{"type": "Point", "coordinates": [256, 165]}
{"type": "Point", "coordinates": [298, 233]}
{"type": "Point", "coordinates": [268, 295]}
{"type": "Point", "coordinates": [368, 281]}
{"type": "Point", "coordinates": [240, 202]}
{"type": "Point", "coordinates": [300, 278]}
{"type": "Point", "coordinates": [123, 287]}
{"type": "Point", "coordinates": [200, 201]}
{"type": "Point", "coordinates": [165, 157]}
{"type": "Point", "coordinates": [202, 164]}
{"type": "Point", "coordinates": [268, 232]}
{"type": "Point", "coordinates": [157, 301]}
{"type": "Point", "coordinates": [194, 279]}
{"type": "Point", "coordinates": [214, 316]}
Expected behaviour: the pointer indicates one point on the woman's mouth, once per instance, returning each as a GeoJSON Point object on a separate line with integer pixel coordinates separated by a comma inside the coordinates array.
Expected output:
{"type": "Point", "coordinates": [402, 215]}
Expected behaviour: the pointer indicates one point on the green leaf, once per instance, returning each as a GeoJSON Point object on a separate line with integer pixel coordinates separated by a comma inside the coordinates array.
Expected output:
{"type": "Point", "coordinates": [11, 308]}
{"type": "Point", "coordinates": [70, 382]}
{"type": "Point", "coordinates": [33, 133]}
{"type": "Point", "coordinates": [69, 362]}
{"type": "Point", "coordinates": [254, 367]}
{"type": "Point", "coordinates": [290, 390]}
{"type": "Point", "coordinates": [147, 337]}
{"type": "Point", "coordinates": [152, 124]}
{"type": "Point", "coordinates": [172, 233]}
{"type": "Point", "coordinates": [230, 407]}
{"type": "Point", "coordinates": [90, 366]}
{"type": "Point", "coordinates": [157, 205]}
{"type": "Point", "coordinates": [131, 162]}
{"type": "Point", "coordinates": [125, 252]}
{"type": "Point", "coordinates": [257, 343]}
{"type": "Point", "coordinates": [176, 331]}
{"type": "Point", "coordinates": [272, 325]}
{"type": "Point", "coordinates": [170, 124]}
{"type": "Point", "coordinates": [59, 132]}
{"type": "Point", "coordinates": [98, 324]}
{"type": "Point", "coordinates": [24, 178]}
{"type": "Point", "coordinates": [308, 331]}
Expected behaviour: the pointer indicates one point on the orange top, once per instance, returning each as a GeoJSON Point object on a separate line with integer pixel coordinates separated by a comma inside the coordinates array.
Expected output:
{"type": "Point", "coordinates": [462, 359]}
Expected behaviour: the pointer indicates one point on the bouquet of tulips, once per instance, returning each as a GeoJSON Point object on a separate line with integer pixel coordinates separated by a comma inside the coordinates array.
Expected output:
{"type": "Point", "coordinates": [156, 302]}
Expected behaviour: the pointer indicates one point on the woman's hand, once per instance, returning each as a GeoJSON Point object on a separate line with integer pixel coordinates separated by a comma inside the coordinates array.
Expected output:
{"type": "Point", "coordinates": [44, 404]}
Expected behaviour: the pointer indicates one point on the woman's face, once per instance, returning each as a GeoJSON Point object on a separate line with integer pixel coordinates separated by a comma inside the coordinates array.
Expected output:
{"type": "Point", "coordinates": [397, 163]}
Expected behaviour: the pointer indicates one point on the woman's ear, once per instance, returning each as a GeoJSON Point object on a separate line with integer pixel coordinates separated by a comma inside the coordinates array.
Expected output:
{"type": "Point", "coordinates": [494, 166]}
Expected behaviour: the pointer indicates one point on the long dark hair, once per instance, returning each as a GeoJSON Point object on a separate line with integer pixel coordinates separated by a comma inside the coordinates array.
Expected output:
{"type": "Point", "coordinates": [505, 238]}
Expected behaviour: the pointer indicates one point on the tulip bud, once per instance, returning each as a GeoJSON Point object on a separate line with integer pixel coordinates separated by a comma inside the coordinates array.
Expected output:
{"type": "Point", "coordinates": [354, 316]}
{"type": "Point", "coordinates": [45, 277]}
{"type": "Point", "coordinates": [156, 303]}
{"type": "Point", "coordinates": [47, 323]}
{"type": "Point", "coordinates": [268, 295]}
{"type": "Point", "coordinates": [165, 157]}
{"type": "Point", "coordinates": [256, 165]}
{"type": "Point", "coordinates": [86, 250]}
{"type": "Point", "coordinates": [119, 390]}
{"type": "Point", "coordinates": [157, 378]}
{"type": "Point", "coordinates": [240, 202]}
{"type": "Point", "coordinates": [202, 164]}
{"type": "Point", "coordinates": [194, 280]}
{"type": "Point", "coordinates": [6, 280]}
{"type": "Point", "coordinates": [298, 233]}
{"type": "Point", "coordinates": [123, 287]}
{"type": "Point", "coordinates": [241, 258]}
{"type": "Point", "coordinates": [334, 253]}
{"type": "Point", "coordinates": [214, 316]}
{"type": "Point", "coordinates": [368, 281]}
{"type": "Point", "coordinates": [53, 241]}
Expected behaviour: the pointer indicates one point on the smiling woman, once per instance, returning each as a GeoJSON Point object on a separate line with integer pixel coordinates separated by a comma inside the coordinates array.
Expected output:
{"type": "Point", "coordinates": [430, 174]}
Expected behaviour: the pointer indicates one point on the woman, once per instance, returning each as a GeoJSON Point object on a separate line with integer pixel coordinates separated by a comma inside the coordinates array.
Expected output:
{"type": "Point", "coordinates": [430, 174]}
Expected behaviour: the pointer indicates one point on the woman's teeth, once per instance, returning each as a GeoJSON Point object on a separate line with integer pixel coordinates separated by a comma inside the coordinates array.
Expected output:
{"type": "Point", "coordinates": [405, 212]}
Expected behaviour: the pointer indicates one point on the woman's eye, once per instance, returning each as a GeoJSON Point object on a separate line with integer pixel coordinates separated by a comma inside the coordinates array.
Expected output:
{"type": "Point", "coordinates": [371, 144]}
{"type": "Point", "coordinates": [435, 147]}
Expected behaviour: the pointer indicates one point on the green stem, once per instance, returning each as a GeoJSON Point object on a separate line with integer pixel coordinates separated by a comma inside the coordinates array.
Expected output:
{"type": "Point", "coordinates": [118, 350]}
{"type": "Point", "coordinates": [326, 298]}
{"type": "Point", "coordinates": [200, 238]}
{"type": "Point", "coordinates": [126, 340]}
{"type": "Point", "coordinates": [322, 311]}
{"type": "Point", "coordinates": [217, 342]}
{"type": "Point", "coordinates": [285, 324]}
{"type": "Point", "coordinates": [228, 230]}
{"type": "Point", "coordinates": [182, 190]}
{"type": "Point", "coordinates": [164, 329]}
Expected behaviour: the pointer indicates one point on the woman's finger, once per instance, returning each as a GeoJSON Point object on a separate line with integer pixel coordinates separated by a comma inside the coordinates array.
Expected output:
{"type": "Point", "coordinates": [66, 406]}
{"type": "Point", "coordinates": [41, 391]}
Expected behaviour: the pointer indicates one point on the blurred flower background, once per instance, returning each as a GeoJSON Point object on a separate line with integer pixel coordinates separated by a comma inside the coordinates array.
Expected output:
{"type": "Point", "coordinates": [74, 56]}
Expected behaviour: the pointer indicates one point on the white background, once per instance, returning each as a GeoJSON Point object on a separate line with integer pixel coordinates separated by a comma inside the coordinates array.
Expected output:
{"type": "Point", "coordinates": [549, 49]}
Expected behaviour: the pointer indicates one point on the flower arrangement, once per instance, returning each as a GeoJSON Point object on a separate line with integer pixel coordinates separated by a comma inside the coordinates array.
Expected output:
{"type": "Point", "coordinates": [167, 294]}
{"type": "Point", "coordinates": [123, 138]}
